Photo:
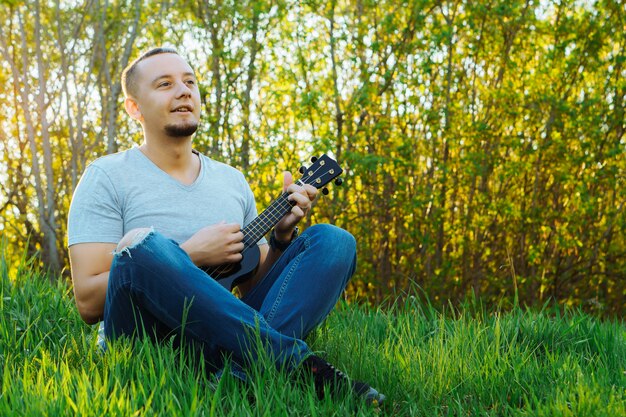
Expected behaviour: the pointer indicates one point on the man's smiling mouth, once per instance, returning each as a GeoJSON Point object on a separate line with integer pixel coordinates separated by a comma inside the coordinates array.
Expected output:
{"type": "Point", "coordinates": [182, 109]}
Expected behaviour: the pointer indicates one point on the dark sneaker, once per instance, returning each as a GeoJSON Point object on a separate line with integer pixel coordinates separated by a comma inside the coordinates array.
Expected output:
{"type": "Point", "coordinates": [326, 375]}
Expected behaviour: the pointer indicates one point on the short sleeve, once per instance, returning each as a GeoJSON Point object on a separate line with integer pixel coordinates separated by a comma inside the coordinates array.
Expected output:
{"type": "Point", "coordinates": [95, 212]}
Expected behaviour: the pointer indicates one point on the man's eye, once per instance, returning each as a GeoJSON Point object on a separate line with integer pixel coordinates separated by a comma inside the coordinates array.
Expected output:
{"type": "Point", "coordinates": [164, 84]}
{"type": "Point", "coordinates": [191, 82]}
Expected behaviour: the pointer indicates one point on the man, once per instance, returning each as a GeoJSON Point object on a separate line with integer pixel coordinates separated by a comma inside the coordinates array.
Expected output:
{"type": "Point", "coordinates": [142, 223]}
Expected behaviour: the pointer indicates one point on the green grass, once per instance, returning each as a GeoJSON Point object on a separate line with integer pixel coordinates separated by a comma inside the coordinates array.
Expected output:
{"type": "Point", "coordinates": [428, 363]}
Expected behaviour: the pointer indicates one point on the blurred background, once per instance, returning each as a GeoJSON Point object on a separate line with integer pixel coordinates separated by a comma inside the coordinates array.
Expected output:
{"type": "Point", "coordinates": [482, 142]}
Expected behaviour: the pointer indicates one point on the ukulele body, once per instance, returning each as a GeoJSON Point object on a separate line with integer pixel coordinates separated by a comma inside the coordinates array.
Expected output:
{"type": "Point", "coordinates": [230, 275]}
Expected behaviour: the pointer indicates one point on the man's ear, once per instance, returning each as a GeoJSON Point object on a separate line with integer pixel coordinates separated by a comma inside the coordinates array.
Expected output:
{"type": "Point", "coordinates": [132, 108]}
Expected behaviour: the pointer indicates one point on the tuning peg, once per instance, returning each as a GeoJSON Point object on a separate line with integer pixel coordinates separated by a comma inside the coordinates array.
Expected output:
{"type": "Point", "coordinates": [313, 158]}
{"type": "Point", "coordinates": [338, 181]}
{"type": "Point", "coordinates": [302, 169]}
{"type": "Point", "coordinates": [325, 191]}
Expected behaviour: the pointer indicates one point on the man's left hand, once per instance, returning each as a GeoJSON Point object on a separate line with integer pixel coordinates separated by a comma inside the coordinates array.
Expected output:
{"type": "Point", "coordinates": [303, 196]}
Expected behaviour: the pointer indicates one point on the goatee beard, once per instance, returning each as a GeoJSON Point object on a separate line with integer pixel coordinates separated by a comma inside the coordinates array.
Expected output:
{"type": "Point", "coordinates": [179, 131]}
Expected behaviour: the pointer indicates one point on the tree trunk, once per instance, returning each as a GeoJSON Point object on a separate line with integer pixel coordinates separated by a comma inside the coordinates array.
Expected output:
{"type": "Point", "coordinates": [337, 102]}
{"type": "Point", "coordinates": [251, 73]}
{"type": "Point", "coordinates": [116, 86]}
{"type": "Point", "coordinates": [48, 221]}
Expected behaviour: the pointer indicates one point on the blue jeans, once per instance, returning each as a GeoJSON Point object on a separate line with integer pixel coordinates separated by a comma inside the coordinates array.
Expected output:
{"type": "Point", "coordinates": [155, 290]}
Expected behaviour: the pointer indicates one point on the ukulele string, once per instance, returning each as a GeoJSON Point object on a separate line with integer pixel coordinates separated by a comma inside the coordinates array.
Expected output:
{"type": "Point", "coordinates": [281, 205]}
{"type": "Point", "coordinates": [249, 240]}
{"type": "Point", "coordinates": [254, 229]}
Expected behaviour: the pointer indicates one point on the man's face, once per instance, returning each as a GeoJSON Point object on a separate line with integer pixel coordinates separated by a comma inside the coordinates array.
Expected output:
{"type": "Point", "coordinates": [167, 99]}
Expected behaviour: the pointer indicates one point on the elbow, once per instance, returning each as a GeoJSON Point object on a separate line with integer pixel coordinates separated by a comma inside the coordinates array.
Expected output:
{"type": "Point", "coordinates": [88, 314]}
{"type": "Point", "coordinates": [90, 318]}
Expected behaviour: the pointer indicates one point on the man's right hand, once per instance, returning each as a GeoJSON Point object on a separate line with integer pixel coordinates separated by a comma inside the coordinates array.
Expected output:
{"type": "Point", "coordinates": [215, 245]}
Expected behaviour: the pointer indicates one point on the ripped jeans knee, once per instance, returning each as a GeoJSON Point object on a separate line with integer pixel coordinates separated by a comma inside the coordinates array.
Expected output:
{"type": "Point", "coordinates": [132, 238]}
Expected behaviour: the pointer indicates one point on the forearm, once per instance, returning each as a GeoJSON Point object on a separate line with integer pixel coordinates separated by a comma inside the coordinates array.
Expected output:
{"type": "Point", "coordinates": [266, 264]}
{"type": "Point", "coordinates": [194, 255]}
{"type": "Point", "coordinates": [215, 245]}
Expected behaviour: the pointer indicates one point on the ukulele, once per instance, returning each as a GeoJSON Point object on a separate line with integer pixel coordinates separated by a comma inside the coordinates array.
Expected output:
{"type": "Point", "coordinates": [323, 170]}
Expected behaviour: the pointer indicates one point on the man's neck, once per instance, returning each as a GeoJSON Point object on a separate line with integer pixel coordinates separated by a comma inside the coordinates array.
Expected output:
{"type": "Point", "coordinates": [174, 156]}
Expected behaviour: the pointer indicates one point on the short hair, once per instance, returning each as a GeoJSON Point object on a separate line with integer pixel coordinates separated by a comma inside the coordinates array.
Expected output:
{"type": "Point", "coordinates": [129, 75]}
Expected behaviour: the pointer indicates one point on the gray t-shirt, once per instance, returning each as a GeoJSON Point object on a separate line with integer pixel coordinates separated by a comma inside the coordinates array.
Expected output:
{"type": "Point", "coordinates": [126, 190]}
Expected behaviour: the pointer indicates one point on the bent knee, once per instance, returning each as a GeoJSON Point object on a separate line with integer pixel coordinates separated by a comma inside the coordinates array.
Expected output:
{"type": "Point", "coordinates": [133, 237]}
{"type": "Point", "coordinates": [335, 237]}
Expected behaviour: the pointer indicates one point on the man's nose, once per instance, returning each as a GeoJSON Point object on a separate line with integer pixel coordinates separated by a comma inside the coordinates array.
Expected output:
{"type": "Point", "coordinates": [183, 89]}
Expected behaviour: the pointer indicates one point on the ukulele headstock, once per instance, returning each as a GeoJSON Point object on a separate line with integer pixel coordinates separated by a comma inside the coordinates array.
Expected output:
{"type": "Point", "coordinates": [322, 171]}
